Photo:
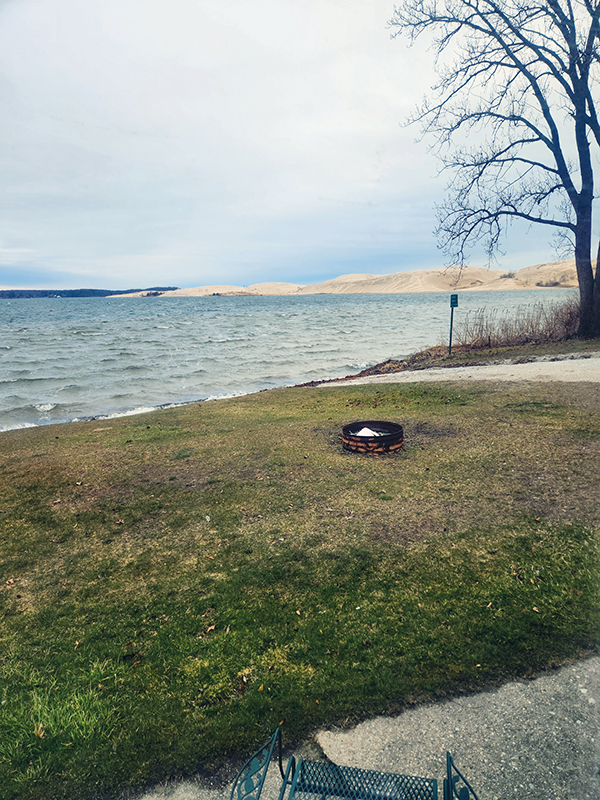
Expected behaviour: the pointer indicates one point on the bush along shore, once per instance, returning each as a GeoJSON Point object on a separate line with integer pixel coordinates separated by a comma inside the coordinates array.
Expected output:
{"type": "Point", "coordinates": [173, 585]}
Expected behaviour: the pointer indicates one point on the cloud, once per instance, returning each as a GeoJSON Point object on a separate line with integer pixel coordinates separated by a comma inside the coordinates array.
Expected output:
{"type": "Point", "coordinates": [210, 141]}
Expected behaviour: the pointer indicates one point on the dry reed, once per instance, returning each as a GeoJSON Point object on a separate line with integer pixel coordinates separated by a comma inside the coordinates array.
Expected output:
{"type": "Point", "coordinates": [527, 324]}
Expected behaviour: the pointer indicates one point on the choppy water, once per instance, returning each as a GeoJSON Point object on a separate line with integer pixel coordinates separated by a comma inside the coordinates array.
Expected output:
{"type": "Point", "coordinates": [68, 359]}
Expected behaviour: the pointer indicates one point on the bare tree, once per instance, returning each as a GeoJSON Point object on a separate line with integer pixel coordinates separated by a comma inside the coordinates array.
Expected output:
{"type": "Point", "coordinates": [515, 121]}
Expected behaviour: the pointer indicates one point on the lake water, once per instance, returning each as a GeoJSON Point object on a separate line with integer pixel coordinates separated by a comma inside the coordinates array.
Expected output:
{"type": "Point", "coordinates": [68, 359]}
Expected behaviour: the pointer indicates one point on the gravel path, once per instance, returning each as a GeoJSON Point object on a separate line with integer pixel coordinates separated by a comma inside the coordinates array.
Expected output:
{"type": "Point", "coordinates": [571, 369]}
{"type": "Point", "coordinates": [535, 740]}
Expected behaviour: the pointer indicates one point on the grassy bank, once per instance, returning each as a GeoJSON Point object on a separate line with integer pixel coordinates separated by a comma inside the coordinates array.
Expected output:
{"type": "Point", "coordinates": [173, 585]}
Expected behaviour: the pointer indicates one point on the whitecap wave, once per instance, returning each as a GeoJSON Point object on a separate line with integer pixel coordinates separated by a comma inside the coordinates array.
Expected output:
{"type": "Point", "coordinates": [45, 406]}
{"type": "Point", "coordinates": [17, 427]}
{"type": "Point", "coordinates": [130, 412]}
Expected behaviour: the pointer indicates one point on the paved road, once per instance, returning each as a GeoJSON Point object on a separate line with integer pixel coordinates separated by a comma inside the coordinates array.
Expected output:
{"type": "Point", "coordinates": [535, 740]}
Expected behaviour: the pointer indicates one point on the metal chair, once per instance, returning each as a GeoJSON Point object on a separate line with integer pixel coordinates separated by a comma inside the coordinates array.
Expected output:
{"type": "Point", "coordinates": [250, 779]}
{"type": "Point", "coordinates": [453, 777]}
{"type": "Point", "coordinates": [320, 780]}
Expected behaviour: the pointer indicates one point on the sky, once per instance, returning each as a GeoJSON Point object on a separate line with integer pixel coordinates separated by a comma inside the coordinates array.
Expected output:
{"type": "Point", "coordinates": [205, 142]}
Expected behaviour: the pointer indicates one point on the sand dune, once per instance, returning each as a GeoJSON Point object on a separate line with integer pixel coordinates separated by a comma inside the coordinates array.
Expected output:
{"type": "Point", "coordinates": [552, 274]}
{"type": "Point", "coordinates": [275, 288]}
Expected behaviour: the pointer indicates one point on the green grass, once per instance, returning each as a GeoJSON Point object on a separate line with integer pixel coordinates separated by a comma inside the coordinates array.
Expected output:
{"type": "Point", "coordinates": [175, 584]}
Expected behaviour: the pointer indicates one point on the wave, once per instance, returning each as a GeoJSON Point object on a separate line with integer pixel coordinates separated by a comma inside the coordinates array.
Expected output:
{"type": "Point", "coordinates": [18, 426]}
{"type": "Point", "coordinates": [130, 412]}
{"type": "Point", "coordinates": [25, 381]}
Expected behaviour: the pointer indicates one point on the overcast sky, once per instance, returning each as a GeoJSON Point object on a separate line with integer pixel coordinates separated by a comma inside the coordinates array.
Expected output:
{"type": "Point", "coordinates": [199, 142]}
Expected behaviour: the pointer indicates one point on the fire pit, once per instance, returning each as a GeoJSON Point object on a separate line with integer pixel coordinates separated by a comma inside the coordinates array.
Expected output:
{"type": "Point", "coordinates": [373, 437]}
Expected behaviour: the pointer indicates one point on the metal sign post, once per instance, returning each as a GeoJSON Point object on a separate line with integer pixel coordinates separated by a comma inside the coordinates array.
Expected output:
{"type": "Point", "coordinates": [453, 305]}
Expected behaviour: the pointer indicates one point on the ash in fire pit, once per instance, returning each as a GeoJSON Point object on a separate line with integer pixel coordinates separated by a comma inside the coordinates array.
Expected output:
{"type": "Point", "coordinates": [373, 437]}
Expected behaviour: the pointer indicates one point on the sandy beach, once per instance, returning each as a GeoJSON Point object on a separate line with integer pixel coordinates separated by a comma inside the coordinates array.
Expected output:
{"type": "Point", "coordinates": [555, 274]}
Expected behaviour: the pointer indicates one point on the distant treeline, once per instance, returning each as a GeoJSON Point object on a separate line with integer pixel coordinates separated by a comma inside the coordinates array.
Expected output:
{"type": "Point", "coordinates": [20, 293]}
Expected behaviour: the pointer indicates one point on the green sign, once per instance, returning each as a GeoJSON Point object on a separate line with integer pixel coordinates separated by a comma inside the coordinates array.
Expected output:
{"type": "Point", "coordinates": [453, 301]}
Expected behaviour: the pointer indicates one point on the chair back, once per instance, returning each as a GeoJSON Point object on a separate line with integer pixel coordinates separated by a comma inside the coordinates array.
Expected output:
{"type": "Point", "coordinates": [250, 779]}
{"type": "Point", "coordinates": [456, 786]}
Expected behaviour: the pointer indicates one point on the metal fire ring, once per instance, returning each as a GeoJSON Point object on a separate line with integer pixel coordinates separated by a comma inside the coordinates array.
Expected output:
{"type": "Point", "coordinates": [373, 436]}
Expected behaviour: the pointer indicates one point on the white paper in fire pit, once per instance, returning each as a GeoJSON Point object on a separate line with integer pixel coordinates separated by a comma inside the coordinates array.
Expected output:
{"type": "Point", "coordinates": [367, 432]}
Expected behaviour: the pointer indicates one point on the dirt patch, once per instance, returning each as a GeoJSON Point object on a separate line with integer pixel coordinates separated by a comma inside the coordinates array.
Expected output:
{"type": "Point", "coordinates": [419, 432]}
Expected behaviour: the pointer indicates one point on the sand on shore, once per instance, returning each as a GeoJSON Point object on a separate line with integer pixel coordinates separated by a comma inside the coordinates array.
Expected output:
{"type": "Point", "coordinates": [555, 274]}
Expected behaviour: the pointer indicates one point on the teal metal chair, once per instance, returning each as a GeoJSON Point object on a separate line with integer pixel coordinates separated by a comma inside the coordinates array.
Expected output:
{"type": "Point", "coordinates": [321, 780]}
{"type": "Point", "coordinates": [454, 777]}
{"type": "Point", "coordinates": [250, 779]}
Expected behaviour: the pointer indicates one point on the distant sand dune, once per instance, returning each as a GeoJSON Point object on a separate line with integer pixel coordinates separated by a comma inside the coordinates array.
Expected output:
{"type": "Point", "coordinates": [554, 274]}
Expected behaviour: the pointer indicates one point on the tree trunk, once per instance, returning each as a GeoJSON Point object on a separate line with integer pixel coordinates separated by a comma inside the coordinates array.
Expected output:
{"type": "Point", "coordinates": [585, 275]}
{"type": "Point", "coordinates": [596, 299]}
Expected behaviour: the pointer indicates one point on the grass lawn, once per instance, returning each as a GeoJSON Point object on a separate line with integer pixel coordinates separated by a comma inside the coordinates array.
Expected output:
{"type": "Point", "coordinates": [173, 585]}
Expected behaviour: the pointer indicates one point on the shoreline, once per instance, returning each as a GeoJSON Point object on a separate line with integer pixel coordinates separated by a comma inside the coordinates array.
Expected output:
{"type": "Point", "coordinates": [539, 368]}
